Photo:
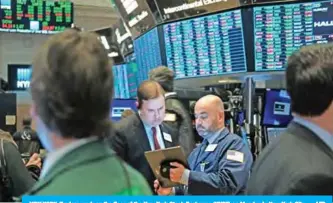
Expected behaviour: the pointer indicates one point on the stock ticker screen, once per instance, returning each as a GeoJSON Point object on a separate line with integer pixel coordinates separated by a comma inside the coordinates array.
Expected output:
{"type": "Point", "coordinates": [147, 53]}
{"type": "Point", "coordinates": [279, 30]}
{"type": "Point", "coordinates": [35, 16]}
{"type": "Point", "coordinates": [125, 82]}
{"type": "Point", "coordinates": [206, 46]}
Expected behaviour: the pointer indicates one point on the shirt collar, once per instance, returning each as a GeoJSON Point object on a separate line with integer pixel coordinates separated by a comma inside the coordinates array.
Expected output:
{"type": "Point", "coordinates": [324, 135]}
{"type": "Point", "coordinates": [211, 138]}
{"type": "Point", "coordinates": [55, 156]}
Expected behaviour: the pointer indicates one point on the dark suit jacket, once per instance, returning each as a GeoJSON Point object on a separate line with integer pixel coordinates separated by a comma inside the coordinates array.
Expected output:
{"type": "Point", "coordinates": [183, 122]}
{"type": "Point", "coordinates": [131, 142]}
{"type": "Point", "coordinates": [20, 177]}
{"type": "Point", "coordinates": [297, 163]}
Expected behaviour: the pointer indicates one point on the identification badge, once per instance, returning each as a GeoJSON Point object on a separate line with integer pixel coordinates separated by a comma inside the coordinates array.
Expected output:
{"type": "Point", "coordinates": [234, 155]}
{"type": "Point", "coordinates": [167, 137]}
{"type": "Point", "coordinates": [202, 166]}
{"type": "Point", "coordinates": [211, 148]}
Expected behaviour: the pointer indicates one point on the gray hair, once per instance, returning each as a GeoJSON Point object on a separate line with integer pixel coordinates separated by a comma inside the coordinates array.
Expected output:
{"type": "Point", "coordinates": [164, 76]}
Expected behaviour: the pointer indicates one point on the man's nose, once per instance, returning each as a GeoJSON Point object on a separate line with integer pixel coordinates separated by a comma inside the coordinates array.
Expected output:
{"type": "Point", "coordinates": [198, 121]}
{"type": "Point", "coordinates": [157, 114]}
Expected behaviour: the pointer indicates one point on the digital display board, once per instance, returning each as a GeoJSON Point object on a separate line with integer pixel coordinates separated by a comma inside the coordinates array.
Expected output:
{"type": "Point", "coordinates": [279, 30]}
{"type": "Point", "coordinates": [206, 46]}
{"type": "Point", "coordinates": [121, 90]}
{"type": "Point", "coordinates": [147, 53]}
{"type": "Point", "coordinates": [19, 76]}
{"type": "Point", "coordinates": [123, 37]}
{"type": "Point", "coordinates": [131, 74]}
{"type": "Point", "coordinates": [177, 9]}
{"type": "Point", "coordinates": [130, 58]}
{"type": "Point", "coordinates": [270, 1]}
{"type": "Point", "coordinates": [136, 14]}
{"type": "Point", "coordinates": [125, 81]}
{"type": "Point", "coordinates": [108, 38]}
{"type": "Point", "coordinates": [38, 16]}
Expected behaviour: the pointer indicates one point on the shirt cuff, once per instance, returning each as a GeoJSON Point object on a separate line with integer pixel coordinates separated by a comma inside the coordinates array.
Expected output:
{"type": "Point", "coordinates": [173, 191]}
{"type": "Point", "coordinates": [185, 177]}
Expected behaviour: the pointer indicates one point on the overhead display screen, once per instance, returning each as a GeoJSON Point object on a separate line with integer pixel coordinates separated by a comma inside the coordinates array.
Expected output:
{"type": "Point", "coordinates": [136, 14]}
{"type": "Point", "coordinates": [110, 42]}
{"type": "Point", "coordinates": [269, 1]}
{"type": "Point", "coordinates": [123, 37]}
{"type": "Point", "coordinates": [279, 30]}
{"type": "Point", "coordinates": [147, 53]}
{"type": "Point", "coordinates": [19, 76]}
{"type": "Point", "coordinates": [39, 16]}
{"type": "Point", "coordinates": [206, 46]}
{"type": "Point", "coordinates": [125, 81]}
{"type": "Point", "coordinates": [176, 9]}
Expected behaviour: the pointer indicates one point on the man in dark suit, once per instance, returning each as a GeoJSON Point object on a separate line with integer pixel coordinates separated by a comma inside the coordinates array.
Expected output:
{"type": "Point", "coordinates": [71, 89]}
{"type": "Point", "coordinates": [300, 162]}
{"type": "Point", "coordinates": [177, 116]}
{"type": "Point", "coordinates": [144, 131]}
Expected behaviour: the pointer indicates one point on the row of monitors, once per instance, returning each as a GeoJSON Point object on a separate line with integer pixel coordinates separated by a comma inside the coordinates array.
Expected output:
{"type": "Point", "coordinates": [277, 108]}
{"type": "Point", "coordinates": [248, 39]}
{"type": "Point", "coordinates": [142, 15]}
{"type": "Point", "coordinates": [276, 113]}
{"type": "Point", "coordinates": [42, 16]}
{"type": "Point", "coordinates": [125, 79]}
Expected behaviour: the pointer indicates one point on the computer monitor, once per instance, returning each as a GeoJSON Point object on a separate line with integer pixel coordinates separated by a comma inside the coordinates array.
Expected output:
{"type": "Point", "coordinates": [19, 76]}
{"type": "Point", "coordinates": [125, 80]}
{"type": "Point", "coordinates": [277, 108]}
{"type": "Point", "coordinates": [119, 106]}
{"type": "Point", "coordinates": [206, 46]}
{"type": "Point", "coordinates": [281, 29]}
{"type": "Point", "coordinates": [132, 79]}
{"type": "Point", "coordinates": [120, 82]}
{"type": "Point", "coordinates": [147, 53]}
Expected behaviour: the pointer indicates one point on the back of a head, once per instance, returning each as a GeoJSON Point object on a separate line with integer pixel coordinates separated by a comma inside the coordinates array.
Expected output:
{"type": "Point", "coordinates": [26, 121]}
{"type": "Point", "coordinates": [72, 84]}
{"type": "Point", "coordinates": [309, 77]}
{"type": "Point", "coordinates": [164, 76]}
{"type": "Point", "coordinates": [148, 90]}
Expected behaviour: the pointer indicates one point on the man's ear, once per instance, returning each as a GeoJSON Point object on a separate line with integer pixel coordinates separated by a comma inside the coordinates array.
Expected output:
{"type": "Point", "coordinates": [221, 116]}
{"type": "Point", "coordinates": [137, 104]}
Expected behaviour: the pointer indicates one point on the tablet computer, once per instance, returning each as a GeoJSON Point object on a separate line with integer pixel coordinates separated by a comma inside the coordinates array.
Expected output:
{"type": "Point", "coordinates": [158, 157]}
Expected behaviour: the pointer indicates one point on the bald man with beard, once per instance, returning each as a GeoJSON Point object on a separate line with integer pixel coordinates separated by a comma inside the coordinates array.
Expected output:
{"type": "Point", "coordinates": [220, 165]}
